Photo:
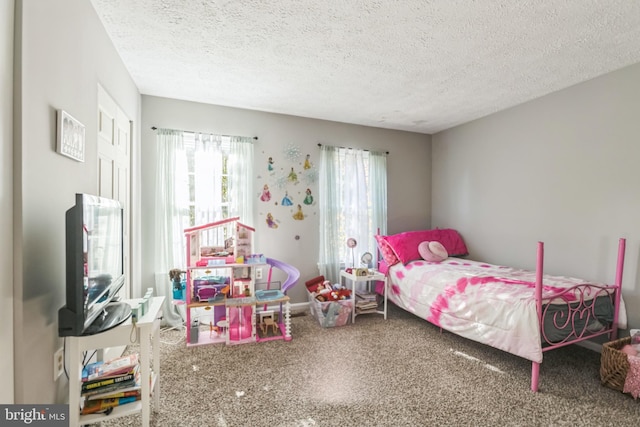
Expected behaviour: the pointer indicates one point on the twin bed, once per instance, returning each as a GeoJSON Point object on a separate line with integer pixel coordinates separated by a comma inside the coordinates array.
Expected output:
{"type": "Point", "coordinates": [525, 313]}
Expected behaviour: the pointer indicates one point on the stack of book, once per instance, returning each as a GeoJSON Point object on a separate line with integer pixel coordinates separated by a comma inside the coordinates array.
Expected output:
{"type": "Point", "coordinates": [106, 385]}
{"type": "Point", "coordinates": [366, 301]}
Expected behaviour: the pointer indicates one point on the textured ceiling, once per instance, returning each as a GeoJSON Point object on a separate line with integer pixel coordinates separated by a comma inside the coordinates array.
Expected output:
{"type": "Point", "coordinates": [415, 65]}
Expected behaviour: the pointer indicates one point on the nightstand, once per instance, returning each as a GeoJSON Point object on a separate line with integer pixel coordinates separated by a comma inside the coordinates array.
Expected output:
{"type": "Point", "coordinates": [363, 293]}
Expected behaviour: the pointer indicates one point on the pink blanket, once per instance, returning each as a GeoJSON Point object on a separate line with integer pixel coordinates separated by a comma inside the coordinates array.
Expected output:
{"type": "Point", "coordinates": [491, 304]}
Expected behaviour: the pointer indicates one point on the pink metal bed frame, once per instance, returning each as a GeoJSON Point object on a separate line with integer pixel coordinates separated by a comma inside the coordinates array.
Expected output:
{"type": "Point", "coordinates": [585, 306]}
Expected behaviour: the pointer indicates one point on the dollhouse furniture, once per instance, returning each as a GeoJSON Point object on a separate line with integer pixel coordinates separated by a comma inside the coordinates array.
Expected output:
{"type": "Point", "coordinates": [223, 325]}
{"type": "Point", "coordinates": [525, 313]}
{"type": "Point", "coordinates": [361, 289]}
{"type": "Point", "coordinates": [267, 322]}
{"type": "Point", "coordinates": [221, 277]}
{"type": "Point", "coordinates": [241, 314]}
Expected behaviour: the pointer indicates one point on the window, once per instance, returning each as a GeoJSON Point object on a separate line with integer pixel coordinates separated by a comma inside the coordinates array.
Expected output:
{"type": "Point", "coordinates": [200, 178]}
{"type": "Point", "coordinates": [353, 204]}
{"type": "Point", "coordinates": [354, 219]}
{"type": "Point", "coordinates": [208, 177]}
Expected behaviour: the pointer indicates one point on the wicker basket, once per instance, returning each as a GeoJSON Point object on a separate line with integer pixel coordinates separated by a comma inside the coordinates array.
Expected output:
{"type": "Point", "coordinates": [614, 364]}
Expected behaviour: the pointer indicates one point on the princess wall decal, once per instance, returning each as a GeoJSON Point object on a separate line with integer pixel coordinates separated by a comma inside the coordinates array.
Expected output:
{"type": "Point", "coordinates": [308, 198]}
{"type": "Point", "coordinates": [293, 176]}
{"type": "Point", "coordinates": [266, 194]}
{"type": "Point", "coordinates": [298, 216]}
{"type": "Point", "coordinates": [270, 221]}
{"type": "Point", "coordinates": [286, 200]}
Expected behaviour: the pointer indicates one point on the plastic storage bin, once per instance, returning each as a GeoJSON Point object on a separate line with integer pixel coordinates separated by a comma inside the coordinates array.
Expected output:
{"type": "Point", "coordinates": [331, 313]}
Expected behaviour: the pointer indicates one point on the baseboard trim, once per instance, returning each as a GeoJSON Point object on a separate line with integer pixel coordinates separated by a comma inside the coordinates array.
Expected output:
{"type": "Point", "coordinates": [299, 306]}
{"type": "Point", "coordinates": [294, 309]}
{"type": "Point", "coordinates": [591, 346]}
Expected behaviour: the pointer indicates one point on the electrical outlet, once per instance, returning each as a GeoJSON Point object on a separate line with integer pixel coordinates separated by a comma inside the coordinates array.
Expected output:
{"type": "Point", "coordinates": [258, 273]}
{"type": "Point", "coordinates": [58, 363]}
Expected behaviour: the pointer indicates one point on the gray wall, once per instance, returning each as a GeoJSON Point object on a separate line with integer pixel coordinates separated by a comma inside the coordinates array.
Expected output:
{"type": "Point", "coordinates": [562, 169]}
{"type": "Point", "coordinates": [408, 173]}
{"type": "Point", "coordinates": [62, 54]}
{"type": "Point", "coordinates": [6, 199]}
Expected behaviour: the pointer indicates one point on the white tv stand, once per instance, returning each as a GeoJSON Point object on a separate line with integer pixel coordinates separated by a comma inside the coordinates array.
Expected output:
{"type": "Point", "coordinates": [146, 333]}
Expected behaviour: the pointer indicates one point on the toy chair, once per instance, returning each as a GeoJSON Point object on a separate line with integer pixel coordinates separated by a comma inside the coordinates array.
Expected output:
{"type": "Point", "coordinates": [268, 321]}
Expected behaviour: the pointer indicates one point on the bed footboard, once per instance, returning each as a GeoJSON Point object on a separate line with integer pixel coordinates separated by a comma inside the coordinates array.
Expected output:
{"type": "Point", "coordinates": [577, 313]}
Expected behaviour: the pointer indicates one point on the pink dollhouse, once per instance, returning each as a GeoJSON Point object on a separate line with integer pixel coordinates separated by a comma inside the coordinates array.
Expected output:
{"type": "Point", "coordinates": [221, 300]}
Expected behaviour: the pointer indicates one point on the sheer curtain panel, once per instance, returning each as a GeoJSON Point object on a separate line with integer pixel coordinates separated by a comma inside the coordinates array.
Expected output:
{"type": "Point", "coordinates": [171, 216]}
{"type": "Point", "coordinates": [240, 170]}
{"type": "Point", "coordinates": [330, 210]}
{"type": "Point", "coordinates": [378, 195]}
{"type": "Point", "coordinates": [353, 203]}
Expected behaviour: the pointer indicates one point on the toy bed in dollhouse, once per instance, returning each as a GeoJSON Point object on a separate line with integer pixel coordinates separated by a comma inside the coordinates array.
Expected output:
{"type": "Point", "coordinates": [525, 313]}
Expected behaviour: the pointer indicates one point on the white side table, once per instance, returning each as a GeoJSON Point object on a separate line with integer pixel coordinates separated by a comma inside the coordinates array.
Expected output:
{"type": "Point", "coordinates": [373, 276]}
{"type": "Point", "coordinates": [148, 336]}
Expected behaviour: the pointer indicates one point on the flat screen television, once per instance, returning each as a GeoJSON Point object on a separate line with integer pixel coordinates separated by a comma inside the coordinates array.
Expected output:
{"type": "Point", "coordinates": [94, 250]}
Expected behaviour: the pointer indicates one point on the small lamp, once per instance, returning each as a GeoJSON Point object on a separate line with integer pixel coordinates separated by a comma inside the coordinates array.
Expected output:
{"type": "Point", "coordinates": [352, 243]}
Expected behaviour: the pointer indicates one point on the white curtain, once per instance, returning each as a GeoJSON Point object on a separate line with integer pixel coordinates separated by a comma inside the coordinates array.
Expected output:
{"type": "Point", "coordinates": [353, 204]}
{"type": "Point", "coordinates": [240, 170]}
{"type": "Point", "coordinates": [330, 210]}
{"type": "Point", "coordinates": [207, 177]}
{"type": "Point", "coordinates": [355, 201]}
{"type": "Point", "coordinates": [378, 195]}
{"type": "Point", "coordinates": [171, 217]}
{"type": "Point", "coordinates": [207, 165]}
{"type": "Point", "coordinates": [330, 213]}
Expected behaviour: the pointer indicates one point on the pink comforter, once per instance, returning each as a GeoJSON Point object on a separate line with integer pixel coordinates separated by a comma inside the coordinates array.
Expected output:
{"type": "Point", "coordinates": [491, 304]}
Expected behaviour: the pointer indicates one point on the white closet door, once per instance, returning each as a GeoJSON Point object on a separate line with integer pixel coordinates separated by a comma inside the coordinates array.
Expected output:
{"type": "Point", "coordinates": [114, 165]}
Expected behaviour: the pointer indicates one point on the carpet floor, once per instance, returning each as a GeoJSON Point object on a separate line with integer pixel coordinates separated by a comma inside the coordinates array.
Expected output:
{"type": "Point", "coordinates": [401, 371]}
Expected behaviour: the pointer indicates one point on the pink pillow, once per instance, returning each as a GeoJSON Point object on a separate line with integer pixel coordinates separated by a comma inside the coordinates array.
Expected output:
{"type": "Point", "coordinates": [385, 250]}
{"type": "Point", "coordinates": [432, 251]}
{"type": "Point", "coordinates": [405, 245]}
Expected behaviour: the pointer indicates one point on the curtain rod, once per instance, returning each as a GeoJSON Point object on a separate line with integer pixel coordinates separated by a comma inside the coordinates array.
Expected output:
{"type": "Point", "coordinates": [191, 131]}
{"type": "Point", "coordinates": [351, 148]}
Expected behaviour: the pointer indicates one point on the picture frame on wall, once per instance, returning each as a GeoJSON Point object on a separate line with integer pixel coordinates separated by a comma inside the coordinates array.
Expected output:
{"type": "Point", "coordinates": [70, 138]}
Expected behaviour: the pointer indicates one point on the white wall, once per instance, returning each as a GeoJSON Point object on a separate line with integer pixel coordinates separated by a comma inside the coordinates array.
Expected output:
{"type": "Point", "coordinates": [408, 173]}
{"type": "Point", "coordinates": [562, 169]}
{"type": "Point", "coordinates": [63, 53]}
{"type": "Point", "coordinates": [6, 199]}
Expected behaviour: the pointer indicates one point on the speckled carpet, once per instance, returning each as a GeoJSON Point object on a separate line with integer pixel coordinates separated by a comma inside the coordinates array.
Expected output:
{"type": "Point", "coordinates": [397, 372]}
